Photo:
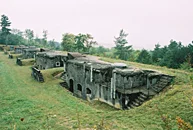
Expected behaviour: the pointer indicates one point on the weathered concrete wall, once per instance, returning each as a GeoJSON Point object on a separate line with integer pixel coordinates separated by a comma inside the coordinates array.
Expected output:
{"type": "Point", "coordinates": [28, 54]}
{"type": "Point", "coordinates": [95, 84]}
{"type": "Point", "coordinates": [121, 88]}
{"type": "Point", "coordinates": [44, 62]}
{"type": "Point", "coordinates": [11, 48]}
{"type": "Point", "coordinates": [19, 50]}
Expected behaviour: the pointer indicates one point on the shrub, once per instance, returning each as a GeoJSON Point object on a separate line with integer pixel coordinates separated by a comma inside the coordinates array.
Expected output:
{"type": "Point", "coordinates": [185, 66]}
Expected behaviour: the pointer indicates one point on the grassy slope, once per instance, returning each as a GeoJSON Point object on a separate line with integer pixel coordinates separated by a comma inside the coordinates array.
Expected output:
{"type": "Point", "coordinates": [26, 62]}
{"type": "Point", "coordinates": [44, 105]}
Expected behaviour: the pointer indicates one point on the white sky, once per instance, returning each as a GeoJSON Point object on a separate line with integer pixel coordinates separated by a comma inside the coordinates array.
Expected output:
{"type": "Point", "coordinates": [146, 21]}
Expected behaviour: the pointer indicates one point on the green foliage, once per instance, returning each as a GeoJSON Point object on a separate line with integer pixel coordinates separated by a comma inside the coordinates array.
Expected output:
{"type": "Point", "coordinates": [144, 57]}
{"type": "Point", "coordinates": [68, 42]}
{"type": "Point", "coordinates": [29, 34]}
{"type": "Point", "coordinates": [89, 42]}
{"type": "Point", "coordinates": [189, 51]}
{"type": "Point", "coordinates": [185, 66]}
{"type": "Point", "coordinates": [83, 42]}
{"type": "Point", "coordinates": [100, 51]}
{"type": "Point", "coordinates": [44, 40]}
{"type": "Point", "coordinates": [173, 55]}
{"type": "Point", "coordinates": [5, 23]}
{"type": "Point", "coordinates": [53, 45]}
{"type": "Point", "coordinates": [5, 31]}
{"type": "Point", "coordinates": [80, 39]}
{"type": "Point", "coordinates": [103, 52]}
{"type": "Point", "coordinates": [158, 53]}
{"type": "Point", "coordinates": [191, 81]}
{"type": "Point", "coordinates": [134, 55]}
{"type": "Point", "coordinates": [16, 37]}
{"type": "Point", "coordinates": [122, 51]}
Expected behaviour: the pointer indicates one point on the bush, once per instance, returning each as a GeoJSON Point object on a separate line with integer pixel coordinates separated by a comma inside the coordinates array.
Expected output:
{"type": "Point", "coordinates": [185, 66]}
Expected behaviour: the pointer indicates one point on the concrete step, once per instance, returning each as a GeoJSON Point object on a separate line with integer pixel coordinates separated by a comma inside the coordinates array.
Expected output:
{"type": "Point", "coordinates": [135, 104]}
{"type": "Point", "coordinates": [131, 106]}
{"type": "Point", "coordinates": [162, 83]}
{"type": "Point", "coordinates": [138, 101]}
{"type": "Point", "coordinates": [141, 99]}
{"type": "Point", "coordinates": [165, 77]}
{"type": "Point", "coordinates": [163, 80]}
{"type": "Point", "coordinates": [128, 107]}
{"type": "Point", "coordinates": [143, 96]}
{"type": "Point", "coordinates": [155, 89]}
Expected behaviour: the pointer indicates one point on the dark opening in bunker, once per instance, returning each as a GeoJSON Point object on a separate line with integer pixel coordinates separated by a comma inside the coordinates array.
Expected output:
{"type": "Point", "coordinates": [100, 90]}
{"type": "Point", "coordinates": [71, 86]}
{"type": "Point", "coordinates": [57, 64]}
{"type": "Point", "coordinates": [79, 87]}
{"type": "Point", "coordinates": [88, 91]}
{"type": "Point", "coordinates": [106, 93]}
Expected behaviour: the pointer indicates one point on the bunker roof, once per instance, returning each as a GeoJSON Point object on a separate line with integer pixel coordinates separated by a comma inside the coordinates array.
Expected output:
{"type": "Point", "coordinates": [32, 49]}
{"type": "Point", "coordinates": [20, 47]}
{"type": "Point", "coordinates": [131, 71]}
{"type": "Point", "coordinates": [96, 63]}
{"type": "Point", "coordinates": [119, 65]}
{"type": "Point", "coordinates": [11, 45]}
{"type": "Point", "coordinates": [91, 63]}
{"type": "Point", "coordinates": [51, 54]}
{"type": "Point", "coordinates": [44, 49]}
{"type": "Point", "coordinates": [128, 71]}
{"type": "Point", "coordinates": [73, 55]}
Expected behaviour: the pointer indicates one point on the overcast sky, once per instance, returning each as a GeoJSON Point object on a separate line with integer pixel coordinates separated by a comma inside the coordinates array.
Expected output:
{"type": "Point", "coordinates": [147, 22]}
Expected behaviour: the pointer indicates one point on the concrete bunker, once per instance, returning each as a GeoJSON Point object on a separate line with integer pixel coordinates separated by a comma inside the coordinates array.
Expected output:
{"type": "Point", "coordinates": [115, 84]}
{"type": "Point", "coordinates": [11, 47]}
{"type": "Point", "coordinates": [19, 49]}
{"type": "Point", "coordinates": [29, 52]}
{"type": "Point", "coordinates": [50, 59]}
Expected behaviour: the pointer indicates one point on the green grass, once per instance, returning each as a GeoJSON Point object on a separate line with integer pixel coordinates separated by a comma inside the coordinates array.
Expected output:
{"type": "Point", "coordinates": [7, 48]}
{"type": "Point", "coordinates": [49, 74]}
{"type": "Point", "coordinates": [49, 106]}
{"type": "Point", "coordinates": [11, 52]}
{"type": "Point", "coordinates": [16, 56]}
{"type": "Point", "coordinates": [27, 62]}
